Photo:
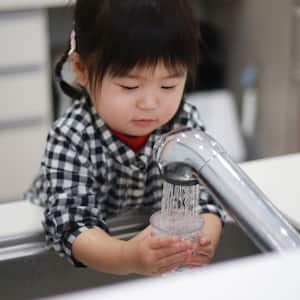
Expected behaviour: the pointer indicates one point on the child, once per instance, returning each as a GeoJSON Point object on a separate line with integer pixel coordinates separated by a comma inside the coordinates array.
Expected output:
{"type": "Point", "coordinates": [131, 59]}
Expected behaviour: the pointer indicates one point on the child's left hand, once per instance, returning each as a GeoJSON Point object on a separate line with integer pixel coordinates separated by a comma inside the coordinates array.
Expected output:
{"type": "Point", "coordinates": [202, 254]}
{"type": "Point", "coordinates": [206, 246]}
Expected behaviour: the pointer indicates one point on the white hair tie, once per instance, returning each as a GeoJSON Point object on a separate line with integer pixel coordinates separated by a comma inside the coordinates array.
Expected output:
{"type": "Point", "coordinates": [72, 42]}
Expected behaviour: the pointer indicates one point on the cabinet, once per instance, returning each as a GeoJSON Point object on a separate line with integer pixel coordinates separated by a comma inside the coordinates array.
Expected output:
{"type": "Point", "coordinates": [25, 98]}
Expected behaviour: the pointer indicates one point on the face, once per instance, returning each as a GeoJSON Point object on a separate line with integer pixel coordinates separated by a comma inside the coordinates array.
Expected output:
{"type": "Point", "coordinates": [140, 102]}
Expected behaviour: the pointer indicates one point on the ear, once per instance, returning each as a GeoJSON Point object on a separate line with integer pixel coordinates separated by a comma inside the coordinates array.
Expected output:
{"type": "Point", "coordinates": [79, 69]}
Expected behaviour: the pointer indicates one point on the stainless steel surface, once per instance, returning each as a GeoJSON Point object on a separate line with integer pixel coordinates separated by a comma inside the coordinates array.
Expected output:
{"type": "Point", "coordinates": [187, 156]}
{"type": "Point", "coordinates": [124, 226]}
{"type": "Point", "coordinates": [22, 246]}
{"type": "Point", "coordinates": [46, 274]}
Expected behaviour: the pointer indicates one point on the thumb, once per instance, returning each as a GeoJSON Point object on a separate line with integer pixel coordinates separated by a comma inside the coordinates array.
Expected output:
{"type": "Point", "coordinates": [204, 241]}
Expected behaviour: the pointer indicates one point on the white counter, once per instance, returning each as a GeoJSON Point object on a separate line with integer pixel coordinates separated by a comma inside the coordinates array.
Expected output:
{"type": "Point", "coordinates": [278, 178]}
{"type": "Point", "coordinates": [30, 4]}
{"type": "Point", "coordinates": [20, 219]}
{"type": "Point", "coordinates": [258, 278]}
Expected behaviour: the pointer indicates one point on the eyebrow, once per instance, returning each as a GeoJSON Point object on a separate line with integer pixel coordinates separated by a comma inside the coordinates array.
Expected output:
{"type": "Point", "coordinates": [171, 76]}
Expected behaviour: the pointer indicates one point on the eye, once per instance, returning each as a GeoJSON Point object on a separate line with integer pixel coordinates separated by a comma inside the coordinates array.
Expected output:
{"type": "Point", "coordinates": [170, 87]}
{"type": "Point", "coordinates": [126, 87]}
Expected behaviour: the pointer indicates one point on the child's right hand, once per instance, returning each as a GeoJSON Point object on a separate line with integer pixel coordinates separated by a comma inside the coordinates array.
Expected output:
{"type": "Point", "coordinates": [150, 255]}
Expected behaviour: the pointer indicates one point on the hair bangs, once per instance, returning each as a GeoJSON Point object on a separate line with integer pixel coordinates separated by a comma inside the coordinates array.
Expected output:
{"type": "Point", "coordinates": [164, 35]}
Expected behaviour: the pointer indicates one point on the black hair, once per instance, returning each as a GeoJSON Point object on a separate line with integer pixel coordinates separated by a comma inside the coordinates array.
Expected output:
{"type": "Point", "coordinates": [117, 35]}
{"type": "Point", "coordinates": [212, 69]}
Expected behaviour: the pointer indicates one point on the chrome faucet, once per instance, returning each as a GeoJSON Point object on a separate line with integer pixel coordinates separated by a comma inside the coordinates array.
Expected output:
{"type": "Point", "coordinates": [190, 156]}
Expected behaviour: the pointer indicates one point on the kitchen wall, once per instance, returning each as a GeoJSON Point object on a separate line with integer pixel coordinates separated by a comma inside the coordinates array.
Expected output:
{"type": "Point", "coordinates": [265, 34]}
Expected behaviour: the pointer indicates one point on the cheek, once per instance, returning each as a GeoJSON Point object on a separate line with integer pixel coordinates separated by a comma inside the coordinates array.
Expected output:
{"type": "Point", "coordinates": [112, 106]}
{"type": "Point", "coordinates": [169, 110]}
{"type": "Point", "coordinates": [172, 104]}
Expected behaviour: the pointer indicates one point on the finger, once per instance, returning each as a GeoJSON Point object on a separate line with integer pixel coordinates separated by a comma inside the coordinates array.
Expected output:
{"type": "Point", "coordinates": [204, 251]}
{"type": "Point", "coordinates": [161, 242]}
{"type": "Point", "coordinates": [168, 268]}
{"type": "Point", "coordinates": [207, 251]}
{"type": "Point", "coordinates": [204, 241]}
{"type": "Point", "coordinates": [196, 266]}
{"type": "Point", "coordinates": [173, 249]}
{"type": "Point", "coordinates": [190, 244]}
{"type": "Point", "coordinates": [175, 259]}
{"type": "Point", "coordinates": [198, 263]}
{"type": "Point", "coordinates": [198, 260]}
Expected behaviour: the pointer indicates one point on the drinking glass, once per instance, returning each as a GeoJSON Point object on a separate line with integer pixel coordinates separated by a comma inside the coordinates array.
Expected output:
{"type": "Point", "coordinates": [176, 223]}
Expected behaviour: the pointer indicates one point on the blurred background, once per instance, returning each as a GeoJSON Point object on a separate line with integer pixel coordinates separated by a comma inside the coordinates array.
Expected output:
{"type": "Point", "coordinates": [246, 89]}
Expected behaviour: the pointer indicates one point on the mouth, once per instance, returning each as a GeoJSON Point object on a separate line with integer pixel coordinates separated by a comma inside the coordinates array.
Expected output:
{"type": "Point", "coordinates": [144, 122]}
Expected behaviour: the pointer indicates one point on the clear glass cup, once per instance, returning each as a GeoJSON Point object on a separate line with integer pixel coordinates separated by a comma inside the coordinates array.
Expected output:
{"type": "Point", "coordinates": [187, 227]}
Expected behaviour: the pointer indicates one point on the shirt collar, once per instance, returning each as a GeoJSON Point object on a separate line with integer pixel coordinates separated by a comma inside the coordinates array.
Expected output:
{"type": "Point", "coordinates": [119, 150]}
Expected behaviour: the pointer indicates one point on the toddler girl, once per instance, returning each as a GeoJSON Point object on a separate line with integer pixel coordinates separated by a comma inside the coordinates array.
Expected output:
{"type": "Point", "coordinates": [131, 60]}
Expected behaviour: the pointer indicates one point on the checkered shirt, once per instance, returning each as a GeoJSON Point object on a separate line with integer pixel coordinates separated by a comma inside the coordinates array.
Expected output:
{"type": "Point", "coordinates": [87, 175]}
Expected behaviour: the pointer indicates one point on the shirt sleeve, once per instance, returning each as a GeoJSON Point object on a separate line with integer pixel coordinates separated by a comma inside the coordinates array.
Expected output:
{"type": "Point", "coordinates": [71, 196]}
{"type": "Point", "coordinates": [208, 205]}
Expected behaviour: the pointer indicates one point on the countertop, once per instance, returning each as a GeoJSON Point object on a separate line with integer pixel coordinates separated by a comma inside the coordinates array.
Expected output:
{"type": "Point", "coordinates": [278, 177]}
{"type": "Point", "coordinates": [270, 276]}
{"type": "Point", "coordinates": [10, 5]}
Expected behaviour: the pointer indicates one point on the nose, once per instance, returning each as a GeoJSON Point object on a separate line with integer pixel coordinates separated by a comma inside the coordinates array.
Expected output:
{"type": "Point", "coordinates": [148, 101]}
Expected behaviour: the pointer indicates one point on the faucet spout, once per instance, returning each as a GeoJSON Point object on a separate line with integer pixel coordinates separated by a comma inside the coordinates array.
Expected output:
{"type": "Point", "coordinates": [190, 156]}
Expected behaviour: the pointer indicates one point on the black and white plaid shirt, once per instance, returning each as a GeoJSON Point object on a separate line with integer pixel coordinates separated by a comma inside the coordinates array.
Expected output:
{"type": "Point", "coordinates": [88, 174]}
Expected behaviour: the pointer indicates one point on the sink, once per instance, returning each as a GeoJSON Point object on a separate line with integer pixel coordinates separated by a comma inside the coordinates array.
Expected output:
{"type": "Point", "coordinates": [234, 244]}
{"type": "Point", "coordinates": [45, 274]}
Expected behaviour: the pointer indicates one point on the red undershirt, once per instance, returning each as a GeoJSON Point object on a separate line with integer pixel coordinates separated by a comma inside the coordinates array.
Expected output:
{"type": "Point", "coordinates": [136, 143]}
